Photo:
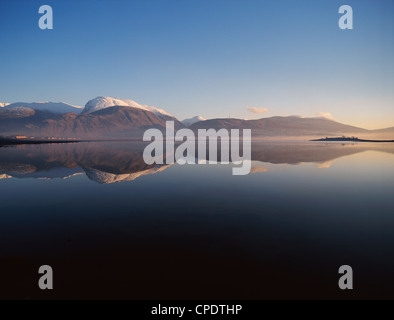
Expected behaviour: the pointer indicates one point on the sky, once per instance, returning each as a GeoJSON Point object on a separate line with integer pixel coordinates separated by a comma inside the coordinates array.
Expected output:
{"type": "Point", "coordinates": [213, 58]}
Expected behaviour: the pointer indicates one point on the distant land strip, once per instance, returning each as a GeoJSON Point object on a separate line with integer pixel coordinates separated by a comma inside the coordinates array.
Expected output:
{"type": "Point", "coordinates": [11, 141]}
{"type": "Point", "coordinates": [352, 139]}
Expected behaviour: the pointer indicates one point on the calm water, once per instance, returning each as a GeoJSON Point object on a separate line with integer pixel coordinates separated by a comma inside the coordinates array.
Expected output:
{"type": "Point", "coordinates": [113, 227]}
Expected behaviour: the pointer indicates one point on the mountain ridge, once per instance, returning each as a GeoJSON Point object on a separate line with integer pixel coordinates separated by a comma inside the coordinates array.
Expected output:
{"type": "Point", "coordinates": [102, 102]}
{"type": "Point", "coordinates": [100, 119]}
{"type": "Point", "coordinates": [189, 121]}
{"type": "Point", "coordinates": [55, 107]}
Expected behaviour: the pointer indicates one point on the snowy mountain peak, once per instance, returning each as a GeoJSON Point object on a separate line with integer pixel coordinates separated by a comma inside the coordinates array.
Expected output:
{"type": "Point", "coordinates": [189, 122]}
{"type": "Point", "coordinates": [3, 104]}
{"type": "Point", "coordinates": [106, 102]}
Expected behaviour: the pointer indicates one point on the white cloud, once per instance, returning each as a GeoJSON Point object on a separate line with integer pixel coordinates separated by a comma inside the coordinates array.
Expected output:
{"type": "Point", "coordinates": [257, 110]}
{"type": "Point", "coordinates": [326, 115]}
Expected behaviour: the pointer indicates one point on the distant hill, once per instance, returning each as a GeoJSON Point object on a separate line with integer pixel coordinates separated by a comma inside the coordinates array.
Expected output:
{"type": "Point", "coordinates": [55, 107]}
{"type": "Point", "coordinates": [385, 130]}
{"type": "Point", "coordinates": [111, 122]}
{"type": "Point", "coordinates": [15, 113]}
{"type": "Point", "coordinates": [190, 121]}
{"type": "Point", "coordinates": [283, 126]}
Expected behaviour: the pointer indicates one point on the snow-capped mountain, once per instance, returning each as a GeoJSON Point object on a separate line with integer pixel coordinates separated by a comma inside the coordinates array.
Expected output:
{"type": "Point", "coordinates": [55, 107]}
{"type": "Point", "coordinates": [190, 121]}
{"type": "Point", "coordinates": [3, 104]}
{"type": "Point", "coordinates": [106, 102]}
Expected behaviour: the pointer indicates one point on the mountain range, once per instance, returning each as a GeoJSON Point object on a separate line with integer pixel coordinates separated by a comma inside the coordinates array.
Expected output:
{"type": "Point", "coordinates": [111, 118]}
{"type": "Point", "coordinates": [288, 126]}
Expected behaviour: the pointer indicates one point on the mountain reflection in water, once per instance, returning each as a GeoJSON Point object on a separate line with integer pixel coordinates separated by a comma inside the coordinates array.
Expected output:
{"type": "Point", "coordinates": [110, 162]}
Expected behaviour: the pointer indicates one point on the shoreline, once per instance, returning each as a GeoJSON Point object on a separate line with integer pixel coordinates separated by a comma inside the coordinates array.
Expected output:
{"type": "Point", "coordinates": [349, 140]}
{"type": "Point", "coordinates": [9, 141]}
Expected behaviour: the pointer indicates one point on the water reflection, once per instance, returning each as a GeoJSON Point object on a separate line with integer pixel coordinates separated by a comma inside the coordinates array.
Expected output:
{"type": "Point", "coordinates": [110, 162]}
{"type": "Point", "coordinates": [197, 231]}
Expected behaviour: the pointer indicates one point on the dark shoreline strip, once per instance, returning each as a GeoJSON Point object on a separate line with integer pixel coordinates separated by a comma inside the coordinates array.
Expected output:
{"type": "Point", "coordinates": [350, 140]}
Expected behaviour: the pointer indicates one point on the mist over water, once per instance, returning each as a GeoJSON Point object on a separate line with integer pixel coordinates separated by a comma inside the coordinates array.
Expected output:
{"type": "Point", "coordinates": [112, 226]}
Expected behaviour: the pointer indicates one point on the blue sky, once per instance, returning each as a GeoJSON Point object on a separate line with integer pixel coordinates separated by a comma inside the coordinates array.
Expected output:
{"type": "Point", "coordinates": [210, 58]}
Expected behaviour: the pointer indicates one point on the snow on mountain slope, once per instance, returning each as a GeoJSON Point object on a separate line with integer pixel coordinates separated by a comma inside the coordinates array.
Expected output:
{"type": "Point", "coordinates": [3, 104]}
{"type": "Point", "coordinates": [16, 112]}
{"type": "Point", "coordinates": [106, 178]}
{"type": "Point", "coordinates": [106, 102]}
{"type": "Point", "coordinates": [56, 107]}
{"type": "Point", "coordinates": [189, 122]}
